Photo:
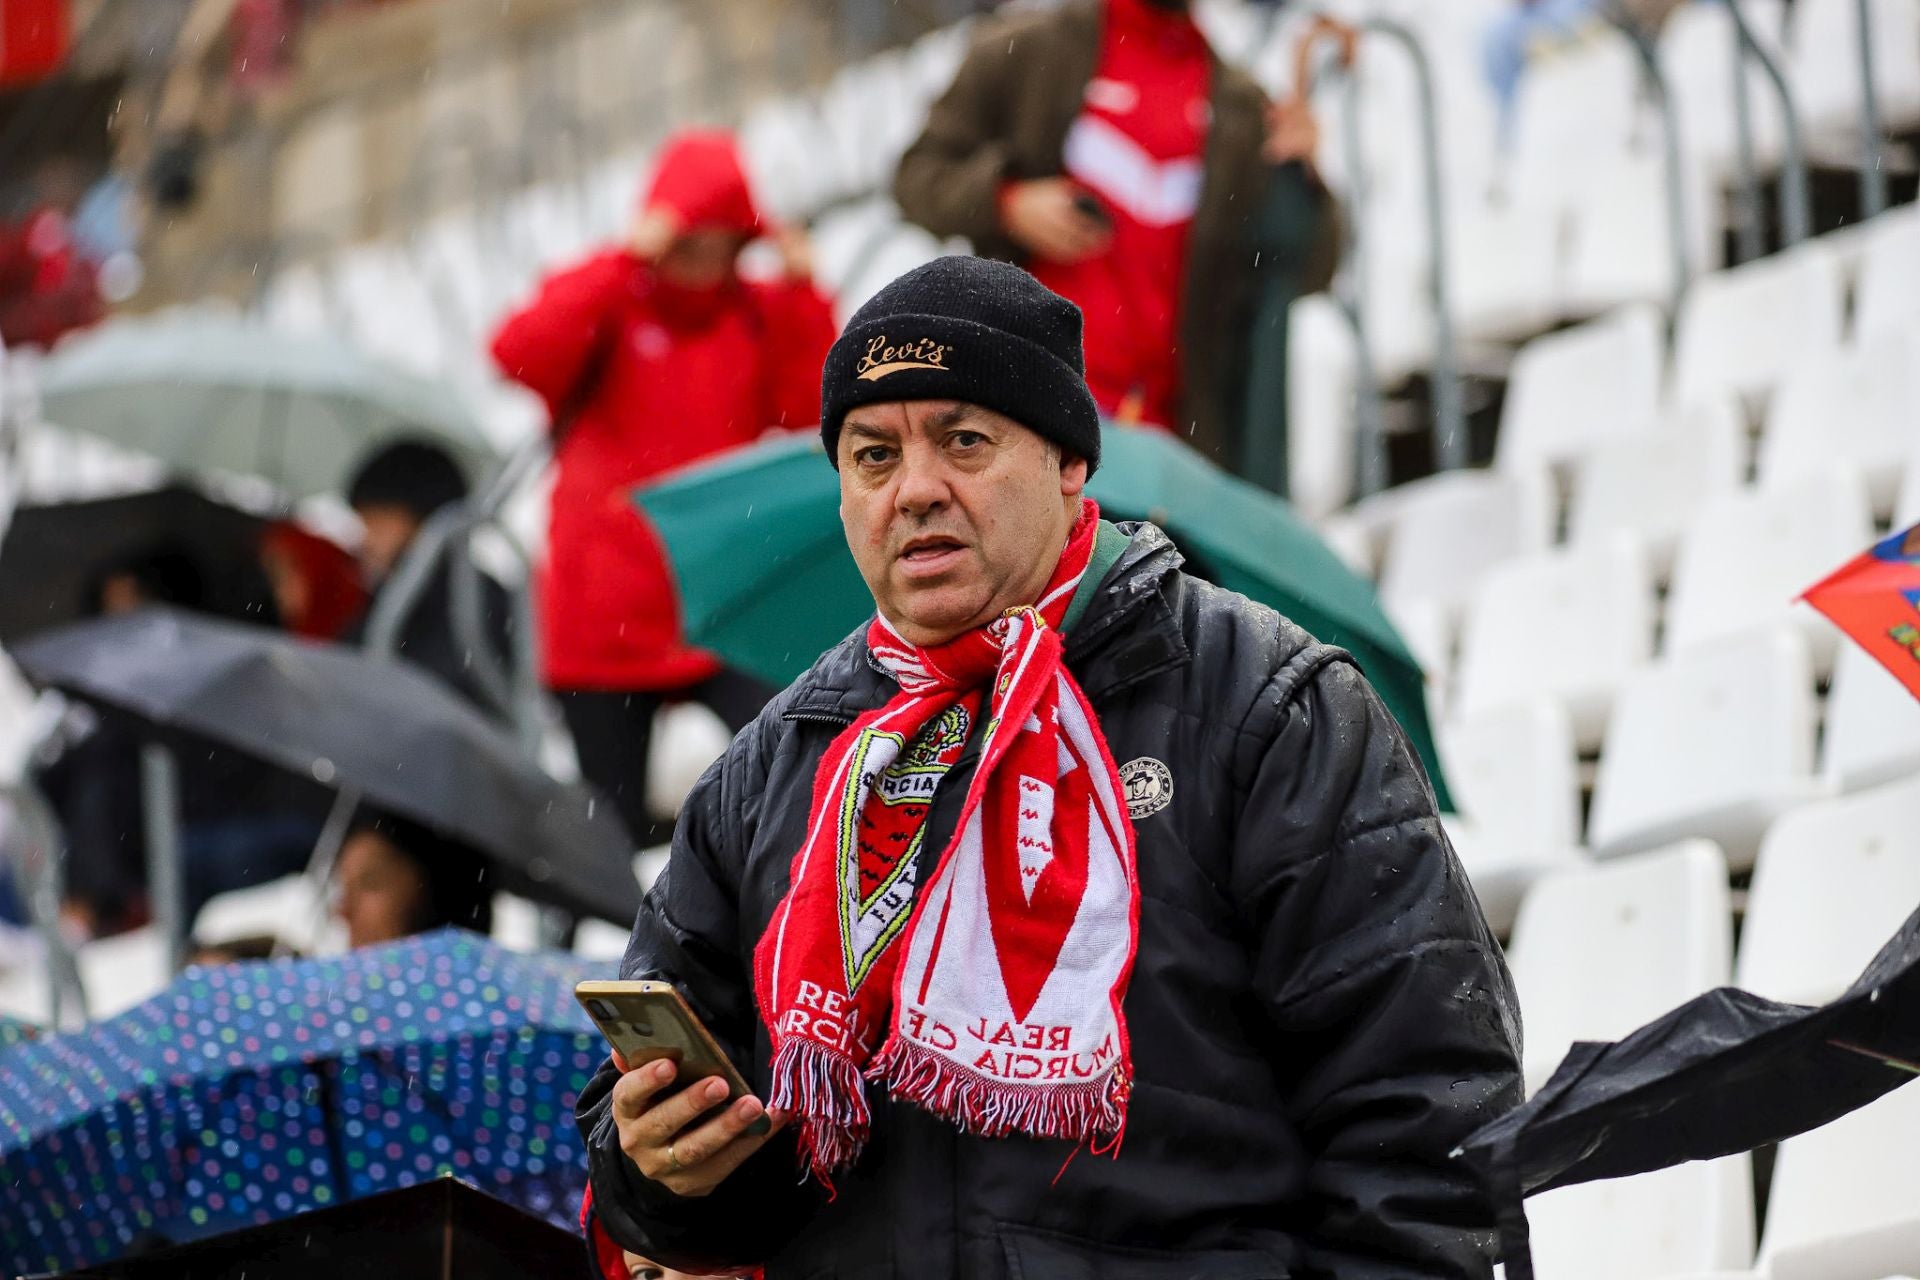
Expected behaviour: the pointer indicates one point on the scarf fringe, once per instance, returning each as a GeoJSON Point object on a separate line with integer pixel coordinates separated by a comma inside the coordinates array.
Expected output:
{"type": "Point", "coordinates": [989, 1108]}
{"type": "Point", "coordinates": [824, 1088]}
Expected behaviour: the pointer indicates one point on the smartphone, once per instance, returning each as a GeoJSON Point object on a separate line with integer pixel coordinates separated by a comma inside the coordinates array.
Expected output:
{"type": "Point", "coordinates": [648, 1021]}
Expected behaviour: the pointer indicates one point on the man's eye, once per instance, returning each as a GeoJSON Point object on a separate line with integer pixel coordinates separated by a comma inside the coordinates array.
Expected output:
{"type": "Point", "coordinates": [966, 439]}
{"type": "Point", "coordinates": [873, 455]}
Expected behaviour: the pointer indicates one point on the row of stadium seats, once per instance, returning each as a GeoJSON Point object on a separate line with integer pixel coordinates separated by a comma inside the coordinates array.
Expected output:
{"type": "Point", "coordinates": [1602, 949]}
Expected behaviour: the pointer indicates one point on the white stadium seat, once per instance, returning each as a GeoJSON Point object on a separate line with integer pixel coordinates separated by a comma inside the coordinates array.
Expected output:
{"type": "Point", "coordinates": [1459, 525]}
{"type": "Point", "coordinates": [1620, 237]}
{"type": "Point", "coordinates": [1859, 405]}
{"type": "Point", "coordinates": [1748, 556]}
{"type": "Point", "coordinates": [1571, 624]}
{"type": "Point", "coordinates": [1873, 724]}
{"type": "Point", "coordinates": [1696, 52]}
{"type": "Point", "coordinates": [1427, 629]}
{"type": "Point", "coordinates": [1348, 539]}
{"type": "Point", "coordinates": [1505, 271]}
{"type": "Point", "coordinates": [1322, 381]}
{"type": "Point", "coordinates": [1571, 390]}
{"type": "Point", "coordinates": [1843, 1204]}
{"type": "Point", "coordinates": [1889, 264]}
{"type": "Point", "coordinates": [1574, 109]}
{"type": "Point", "coordinates": [1741, 329]}
{"type": "Point", "coordinates": [1833, 881]}
{"type": "Point", "coordinates": [1826, 67]}
{"type": "Point", "coordinates": [1599, 951]}
{"type": "Point", "coordinates": [1652, 482]}
{"type": "Point", "coordinates": [1514, 775]}
{"type": "Point", "coordinates": [1669, 1223]}
{"type": "Point", "coordinates": [1715, 743]}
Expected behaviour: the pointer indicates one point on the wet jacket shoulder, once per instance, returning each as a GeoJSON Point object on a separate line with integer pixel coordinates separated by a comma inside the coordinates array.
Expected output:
{"type": "Point", "coordinates": [1317, 1012]}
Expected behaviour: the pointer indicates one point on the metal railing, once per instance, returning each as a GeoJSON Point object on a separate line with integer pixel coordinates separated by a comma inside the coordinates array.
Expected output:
{"type": "Point", "coordinates": [1673, 171]}
{"type": "Point", "coordinates": [1795, 204]}
{"type": "Point", "coordinates": [1449, 430]}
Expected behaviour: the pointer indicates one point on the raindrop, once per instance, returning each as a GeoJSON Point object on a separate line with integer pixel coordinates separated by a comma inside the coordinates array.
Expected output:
{"type": "Point", "coordinates": [323, 770]}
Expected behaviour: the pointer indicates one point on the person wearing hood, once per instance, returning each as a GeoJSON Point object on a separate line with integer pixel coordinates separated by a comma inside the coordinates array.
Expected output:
{"type": "Point", "coordinates": [651, 355]}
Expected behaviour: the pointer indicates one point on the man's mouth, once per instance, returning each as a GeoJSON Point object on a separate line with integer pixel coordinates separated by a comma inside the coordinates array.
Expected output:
{"type": "Point", "coordinates": [930, 554]}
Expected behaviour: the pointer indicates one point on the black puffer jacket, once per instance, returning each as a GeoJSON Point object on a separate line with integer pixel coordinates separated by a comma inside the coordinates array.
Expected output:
{"type": "Point", "coordinates": [1317, 1011]}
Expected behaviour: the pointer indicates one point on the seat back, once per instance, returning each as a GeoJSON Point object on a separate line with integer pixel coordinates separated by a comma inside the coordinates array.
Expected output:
{"type": "Point", "coordinates": [1652, 481]}
{"type": "Point", "coordinates": [1859, 405]}
{"type": "Point", "coordinates": [1740, 329]}
{"type": "Point", "coordinates": [1688, 1220]}
{"type": "Point", "coordinates": [1458, 526]}
{"type": "Point", "coordinates": [1570, 623]}
{"type": "Point", "coordinates": [1833, 881]}
{"type": "Point", "coordinates": [1599, 951]}
{"type": "Point", "coordinates": [1700, 744]}
{"type": "Point", "coordinates": [1576, 388]}
{"type": "Point", "coordinates": [1748, 555]}
{"type": "Point", "coordinates": [1873, 724]}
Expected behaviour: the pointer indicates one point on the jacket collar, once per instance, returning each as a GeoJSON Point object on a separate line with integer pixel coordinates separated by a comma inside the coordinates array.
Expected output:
{"type": "Point", "coordinates": [1127, 634]}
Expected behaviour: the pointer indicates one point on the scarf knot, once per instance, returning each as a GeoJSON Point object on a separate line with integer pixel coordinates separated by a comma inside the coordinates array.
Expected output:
{"type": "Point", "coordinates": [991, 994]}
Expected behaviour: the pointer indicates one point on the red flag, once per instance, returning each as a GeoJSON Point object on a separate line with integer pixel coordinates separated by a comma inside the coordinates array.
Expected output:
{"type": "Point", "coordinates": [1875, 599]}
{"type": "Point", "coordinates": [33, 38]}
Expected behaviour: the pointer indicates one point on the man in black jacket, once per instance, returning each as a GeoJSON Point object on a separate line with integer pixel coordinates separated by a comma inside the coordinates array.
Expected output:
{"type": "Point", "coordinates": [970, 897]}
{"type": "Point", "coordinates": [395, 491]}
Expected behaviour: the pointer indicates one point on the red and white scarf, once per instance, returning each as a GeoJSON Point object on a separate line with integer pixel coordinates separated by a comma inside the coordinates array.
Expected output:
{"type": "Point", "coordinates": [991, 994]}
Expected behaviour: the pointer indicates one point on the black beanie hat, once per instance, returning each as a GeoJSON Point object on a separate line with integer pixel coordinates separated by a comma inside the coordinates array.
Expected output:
{"type": "Point", "coordinates": [412, 473]}
{"type": "Point", "coordinates": [972, 329]}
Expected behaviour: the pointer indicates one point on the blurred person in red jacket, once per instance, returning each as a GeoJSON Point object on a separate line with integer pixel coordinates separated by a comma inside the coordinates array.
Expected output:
{"type": "Point", "coordinates": [315, 582]}
{"type": "Point", "coordinates": [47, 286]}
{"type": "Point", "coordinates": [651, 355]}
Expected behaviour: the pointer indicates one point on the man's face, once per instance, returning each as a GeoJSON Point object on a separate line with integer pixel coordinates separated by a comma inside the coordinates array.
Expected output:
{"type": "Point", "coordinates": [954, 513]}
{"type": "Point", "coordinates": [387, 532]}
{"type": "Point", "coordinates": [702, 259]}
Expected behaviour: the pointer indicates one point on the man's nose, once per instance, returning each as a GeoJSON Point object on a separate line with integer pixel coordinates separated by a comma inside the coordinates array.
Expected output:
{"type": "Point", "coordinates": [922, 483]}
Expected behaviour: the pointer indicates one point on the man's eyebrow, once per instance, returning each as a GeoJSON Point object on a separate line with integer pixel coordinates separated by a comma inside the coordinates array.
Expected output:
{"type": "Point", "coordinates": [954, 416]}
{"type": "Point", "coordinates": [868, 430]}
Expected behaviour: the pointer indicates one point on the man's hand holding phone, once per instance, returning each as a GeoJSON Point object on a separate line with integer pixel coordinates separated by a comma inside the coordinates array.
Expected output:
{"type": "Point", "coordinates": [677, 1138]}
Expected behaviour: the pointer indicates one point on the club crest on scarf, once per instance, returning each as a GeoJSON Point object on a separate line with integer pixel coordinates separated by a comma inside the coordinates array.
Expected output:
{"type": "Point", "coordinates": [879, 844]}
{"type": "Point", "coordinates": [991, 994]}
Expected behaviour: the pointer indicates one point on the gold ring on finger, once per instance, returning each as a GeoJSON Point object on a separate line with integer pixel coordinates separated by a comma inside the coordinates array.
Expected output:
{"type": "Point", "coordinates": [673, 1159]}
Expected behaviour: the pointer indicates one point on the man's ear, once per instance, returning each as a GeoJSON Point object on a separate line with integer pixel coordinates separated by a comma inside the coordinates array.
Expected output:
{"type": "Point", "coordinates": [1073, 475]}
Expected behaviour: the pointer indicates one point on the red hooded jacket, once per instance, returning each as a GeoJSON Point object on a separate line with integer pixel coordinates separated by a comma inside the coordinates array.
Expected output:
{"type": "Point", "coordinates": [639, 378]}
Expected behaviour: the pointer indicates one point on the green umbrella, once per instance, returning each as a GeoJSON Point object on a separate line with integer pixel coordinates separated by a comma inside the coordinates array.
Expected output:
{"type": "Point", "coordinates": [767, 583]}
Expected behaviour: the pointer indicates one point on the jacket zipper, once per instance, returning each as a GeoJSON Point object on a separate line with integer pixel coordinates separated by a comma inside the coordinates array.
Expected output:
{"type": "Point", "coordinates": [819, 717]}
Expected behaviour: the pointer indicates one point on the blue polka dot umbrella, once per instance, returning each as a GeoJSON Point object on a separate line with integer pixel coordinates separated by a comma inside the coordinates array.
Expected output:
{"type": "Point", "coordinates": [252, 1092]}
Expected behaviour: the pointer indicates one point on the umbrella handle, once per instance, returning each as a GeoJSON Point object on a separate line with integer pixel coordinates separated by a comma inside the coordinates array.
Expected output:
{"type": "Point", "coordinates": [326, 851]}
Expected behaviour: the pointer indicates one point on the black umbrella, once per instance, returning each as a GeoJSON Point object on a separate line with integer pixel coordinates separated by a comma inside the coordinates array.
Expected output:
{"type": "Point", "coordinates": [393, 735]}
{"type": "Point", "coordinates": [52, 554]}
{"type": "Point", "coordinates": [1726, 1072]}
{"type": "Point", "coordinates": [432, 1229]}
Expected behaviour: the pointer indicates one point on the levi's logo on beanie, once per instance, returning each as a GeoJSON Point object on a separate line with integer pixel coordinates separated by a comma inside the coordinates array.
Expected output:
{"type": "Point", "coordinates": [973, 331]}
{"type": "Point", "coordinates": [882, 359]}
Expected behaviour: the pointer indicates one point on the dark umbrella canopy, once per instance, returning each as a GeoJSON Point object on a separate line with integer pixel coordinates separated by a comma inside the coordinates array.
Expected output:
{"type": "Point", "coordinates": [51, 554]}
{"type": "Point", "coordinates": [1726, 1072]}
{"type": "Point", "coordinates": [439, 1228]}
{"type": "Point", "coordinates": [398, 737]}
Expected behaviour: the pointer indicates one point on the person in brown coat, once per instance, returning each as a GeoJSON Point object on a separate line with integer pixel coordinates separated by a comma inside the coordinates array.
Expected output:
{"type": "Point", "coordinates": [1107, 148]}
